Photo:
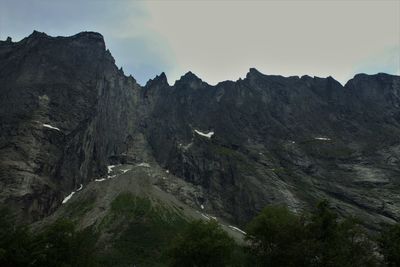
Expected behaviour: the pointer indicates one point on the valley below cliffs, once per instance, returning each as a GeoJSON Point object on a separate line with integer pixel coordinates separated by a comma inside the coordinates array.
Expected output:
{"type": "Point", "coordinates": [71, 121]}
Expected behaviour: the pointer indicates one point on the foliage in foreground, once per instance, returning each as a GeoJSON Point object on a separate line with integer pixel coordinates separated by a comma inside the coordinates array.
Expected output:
{"type": "Point", "coordinates": [276, 237]}
{"type": "Point", "coordinates": [58, 245]}
{"type": "Point", "coordinates": [141, 231]}
{"type": "Point", "coordinates": [202, 244]}
{"type": "Point", "coordinates": [279, 237]}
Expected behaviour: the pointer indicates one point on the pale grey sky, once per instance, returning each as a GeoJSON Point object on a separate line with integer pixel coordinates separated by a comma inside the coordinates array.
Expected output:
{"type": "Point", "coordinates": [221, 40]}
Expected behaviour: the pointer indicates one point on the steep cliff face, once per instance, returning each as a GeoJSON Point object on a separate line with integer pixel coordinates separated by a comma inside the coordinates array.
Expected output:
{"type": "Point", "coordinates": [290, 140]}
{"type": "Point", "coordinates": [67, 112]}
{"type": "Point", "coordinates": [65, 109]}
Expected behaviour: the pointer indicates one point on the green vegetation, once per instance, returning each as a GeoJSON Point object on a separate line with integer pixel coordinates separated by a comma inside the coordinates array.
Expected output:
{"type": "Point", "coordinates": [58, 245]}
{"type": "Point", "coordinates": [77, 209]}
{"type": "Point", "coordinates": [279, 237]}
{"type": "Point", "coordinates": [142, 232]}
{"type": "Point", "coordinates": [202, 244]}
{"type": "Point", "coordinates": [276, 238]}
{"type": "Point", "coordinates": [389, 241]}
{"type": "Point", "coordinates": [142, 229]}
{"type": "Point", "coordinates": [338, 243]}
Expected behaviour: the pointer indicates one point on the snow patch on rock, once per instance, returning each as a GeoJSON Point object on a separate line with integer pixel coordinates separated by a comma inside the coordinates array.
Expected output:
{"type": "Point", "coordinates": [208, 135]}
{"type": "Point", "coordinates": [322, 138]}
{"type": "Point", "coordinates": [237, 229]}
{"type": "Point", "coordinates": [51, 127]}
{"type": "Point", "coordinates": [65, 200]}
{"type": "Point", "coordinates": [110, 168]}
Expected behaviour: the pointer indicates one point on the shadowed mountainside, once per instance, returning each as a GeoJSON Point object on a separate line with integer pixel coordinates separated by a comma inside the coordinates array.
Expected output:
{"type": "Point", "coordinates": [67, 112]}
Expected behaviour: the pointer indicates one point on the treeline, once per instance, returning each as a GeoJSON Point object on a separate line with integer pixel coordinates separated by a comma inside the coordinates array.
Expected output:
{"type": "Point", "coordinates": [276, 237]}
{"type": "Point", "coordinates": [279, 237]}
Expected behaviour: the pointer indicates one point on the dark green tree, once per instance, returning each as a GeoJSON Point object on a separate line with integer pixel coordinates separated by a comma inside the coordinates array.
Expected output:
{"type": "Point", "coordinates": [202, 244]}
{"type": "Point", "coordinates": [334, 242]}
{"type": "Point", "coordinates": [277, 238]}
{"type": "Point", "coordinates": [389, 243]}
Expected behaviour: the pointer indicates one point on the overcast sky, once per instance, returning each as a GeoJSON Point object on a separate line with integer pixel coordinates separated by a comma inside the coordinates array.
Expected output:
{"type": "Point", "coordinates": [221, 40]}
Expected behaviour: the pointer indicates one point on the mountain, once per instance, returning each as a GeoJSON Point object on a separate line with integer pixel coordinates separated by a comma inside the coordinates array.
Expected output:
{"type": "Point", "coordinates": [72, 122]}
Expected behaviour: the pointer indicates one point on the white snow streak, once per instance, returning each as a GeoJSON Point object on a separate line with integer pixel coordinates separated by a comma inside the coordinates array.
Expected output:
{"type": "Point", "coordinates": [202, 207]}
{"type": "Point", "coordinates": [236, 229]}
{"type": "Point", "coordinates": [110, 168]}
{"type": "Point", "coordinates": [72, 193]}
{"type": "Point", "coordinates": [80, 188]}
{"type": "Point", "coordinates": [68, 197]}
{"type": "Point", "coordinates": [322, 138]}
{"type": "Point", "coordinates": [208, 135]}
{"type": "Point", "coordinates": [51, 127]}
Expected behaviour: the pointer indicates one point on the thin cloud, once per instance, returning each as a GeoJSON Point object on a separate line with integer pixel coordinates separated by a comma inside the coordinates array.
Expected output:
{"type": "Point", "coordinates": [221, 40]}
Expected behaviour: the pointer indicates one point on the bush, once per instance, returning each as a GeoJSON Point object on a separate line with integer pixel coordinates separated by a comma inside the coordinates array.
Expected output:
{"type": "Point", "coordinates": [276, 238]}
{"type": "Point", "coordinates": [201, 244]}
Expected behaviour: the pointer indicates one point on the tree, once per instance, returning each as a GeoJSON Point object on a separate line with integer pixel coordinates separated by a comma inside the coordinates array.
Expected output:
{"type": "Point", "coordinates": [279, 237]}
{"type": "Point", "coordinates": [334, 242]}
{"type": "Point", "coordinates": [202, 244]}
{"type": "Point", "coordinates": [389, 243]}
{"type": "Point", "coordinates": [61, 245]}
{"type": "Point", "coordinates": [276, 238]}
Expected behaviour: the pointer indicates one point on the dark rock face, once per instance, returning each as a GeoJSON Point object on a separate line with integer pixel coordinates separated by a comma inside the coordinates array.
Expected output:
{"type": "Point", "coordinates": [66, 112]}
{"type": "Point", "coordinates": [283, 140]}
{"type": "Point", "coordinates": [65, 109]}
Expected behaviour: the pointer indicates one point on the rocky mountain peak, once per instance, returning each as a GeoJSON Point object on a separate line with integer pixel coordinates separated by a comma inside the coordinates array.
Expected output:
{"type": "Point", "coordinates": [88, 36]}
{"type": "Point", "coordinates": [253, 73]}
{"type": "Point", "coordinates": [189, 77]}
{"type": "Point", "coordinates": [159, 80]}
{"type": "Point", "coordinates": [37, 34]}
{"type": "Point", "coordinates": [190, 80]}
